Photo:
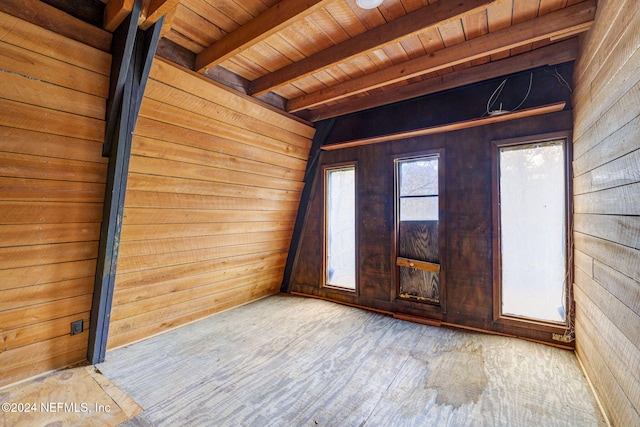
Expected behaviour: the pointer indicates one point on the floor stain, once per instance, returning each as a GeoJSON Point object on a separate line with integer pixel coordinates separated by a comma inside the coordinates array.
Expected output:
{"type": "Point", "coordinates": [458, 376]}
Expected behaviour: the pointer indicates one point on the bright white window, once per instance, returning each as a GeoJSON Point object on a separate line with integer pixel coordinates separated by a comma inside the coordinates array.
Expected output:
{"type": "Point", "coordinates": [532, 210]}
{"type": "Point", "coordinates": [340, 220]}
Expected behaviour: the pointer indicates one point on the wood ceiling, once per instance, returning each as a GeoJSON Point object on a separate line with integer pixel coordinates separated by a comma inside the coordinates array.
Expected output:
{"type": "Point", "coordinates": [322, 58]}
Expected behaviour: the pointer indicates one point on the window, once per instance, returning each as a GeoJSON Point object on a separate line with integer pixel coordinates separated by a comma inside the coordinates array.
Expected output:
{"type": "Point", "coordinates": [532, 240]}
{"type": "Point", "coordinates": [340, 227]}
{"type": "Point", "coordinates": [418, 227]}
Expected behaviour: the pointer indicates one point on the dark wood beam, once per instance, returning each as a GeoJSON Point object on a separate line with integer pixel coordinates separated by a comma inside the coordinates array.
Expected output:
{"type": "Point", "coordinates": [565, 21]}
{"type": "Point", "coordinates": [322, 133]}
{"type": "Point", "coordinates": [557, 53]}
{"type": "Point", "coordinates": [449, 127]}
{"type": "Point", "coordinates": [425, 18]}
{"type": "Point", "coordinates": [136, 76]}
{"type": "Point", "coordinates": [253, 32]}
{"type": "Point", "coordinates": [89, 11]}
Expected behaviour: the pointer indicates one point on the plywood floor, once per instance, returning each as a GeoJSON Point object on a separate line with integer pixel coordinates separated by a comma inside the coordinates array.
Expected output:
{"type": "Point", "coordinates": [292, 361]}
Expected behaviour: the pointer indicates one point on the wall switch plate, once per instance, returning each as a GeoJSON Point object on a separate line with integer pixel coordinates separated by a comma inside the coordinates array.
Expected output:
{"type": "Point", "coordinates": [77, 327]}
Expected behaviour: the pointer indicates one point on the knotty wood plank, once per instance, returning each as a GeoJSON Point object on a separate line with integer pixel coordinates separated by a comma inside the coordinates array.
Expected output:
{"type": "Point", "coordinates": [256, 30]}
{"type": "Point", "coordinates": [149, 199]}
{"type": "Point", "coordinates": [393, 32]}
{"type": "Point", "coordinates": [621, 171]}
{"type": "Point", "coordinates": [37, 212]}
{"type": "Point", "coordinates": [144, 231]}
{"type": "Point", "coordinates": [176, 116]}
{"type": "Point", "coordinates": [37, 39]}
{"type": "Point", "coordinates": [27, 190]}
{"type": "Point", "coordinates": [24, 256]}
{"type": "Point", "coordinates": [31, 334]}
{"type": "Point", "coordinates": [198, 85]}
{"type": "Point", "coordinates": [528, 112]}
{"type": "Point", "coordinates": [20, 141]}
{"type": "Point", "coordinates": [148, 147]}
{"type": "Point", "coordinates": [55, 362]}
{"type": "Point", "coordinates": [52, 18]}
{"type": "Point", "coordinates": [517, 35]}
{"type": "Point", "coordinates": [29, 166]}
{"type": "Point", "coordinates": [36, 65]}
{"type": "Point", "coordinates": [151, 166]}
{"type": "Point", "coordinates": [181, 244]}
{"type": "Point", "coordinates": [622, 258]}
{"type": "Point", "coordinates": [170, 273]}
{"type": "Point", "coordinates": [186, 101]}
{"type": "Point", "coordinates": [138, 263]}
{"type": "Point", "coordinates": [624, 230]}
{"type": "Point", "coordinates": [15, 318]}
{"type": "Point", "coordinates": [49, 273]}
{"type": "Point", "coordinates": [34, 234]}
{"type": "Point", "coordinates": [613, 146]}
{"type": "Point", "coordinates": [40, 294]}
{"type": "Point", "coordinates": [613, 201]}
{"type": "Point", "coordinates": [192, 138]}
{"type": "Point", "coordinates": [190, 186]}
{"type": "Point", "coordinates": [622, 112]}
{"type": "Point", "coordinates": [29, 91]}
{"type": "Point", "coordinates": [30, 117]}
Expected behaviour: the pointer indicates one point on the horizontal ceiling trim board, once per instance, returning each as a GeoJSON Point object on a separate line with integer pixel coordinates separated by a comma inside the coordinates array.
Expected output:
{"type": "Point", "coordinates": [256, 30]}
{"type": "Point", "coordinates": [419, 21]}
{"type": "Point", "coordinates": [174, 75]}
{"type": "Point", "coordinates": [558, 53]}
{"type": "Point", "coordinates": [450, 127]}
{"type": "Point", "coordinates": [579, 16]}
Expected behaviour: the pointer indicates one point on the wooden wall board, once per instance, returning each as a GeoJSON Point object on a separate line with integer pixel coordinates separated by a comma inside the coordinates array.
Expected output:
{"type": "Point", "coordinates": [52, 70]}
{"type": "Point", "coordinates": [606, 101]}
{"type": "Point", "coordinates": [213, 189]}
{"type": "Point", "coordinates": [52, 177]}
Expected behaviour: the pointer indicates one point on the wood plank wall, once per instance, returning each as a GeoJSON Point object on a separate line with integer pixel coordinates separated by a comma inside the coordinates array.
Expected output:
{"type": "Point", "coordinates": [214, 186]}
{"type": "Point", "coordinates": [607, 207]}
{"type": "Point", "coordinates": [53, 94]}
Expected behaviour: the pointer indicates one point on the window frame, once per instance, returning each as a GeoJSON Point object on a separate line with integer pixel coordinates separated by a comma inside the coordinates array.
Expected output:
{"type": "Point", "coordinates": [439, 307]}
{"type": "Point", "coordinates": [324, 285]}
{"type": "Point", "coordinates": [523, 321]}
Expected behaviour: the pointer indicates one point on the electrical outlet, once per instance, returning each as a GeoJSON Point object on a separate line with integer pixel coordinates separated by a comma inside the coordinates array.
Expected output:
{"type": "Point", "coordinates": [77, 327]}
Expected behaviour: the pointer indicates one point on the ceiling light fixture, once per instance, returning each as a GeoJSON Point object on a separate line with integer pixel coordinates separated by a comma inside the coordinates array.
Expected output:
{"type": "Point", "coordinates": [368, 4]}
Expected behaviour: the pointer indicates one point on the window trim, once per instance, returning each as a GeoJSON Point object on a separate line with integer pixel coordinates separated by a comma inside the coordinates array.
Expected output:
{"type": "Point", "coordinates": [325, 169]}
{"type": "Point", "coordinates": [436, 308]}
{"type": "Point", "coordinates": [498, 316]}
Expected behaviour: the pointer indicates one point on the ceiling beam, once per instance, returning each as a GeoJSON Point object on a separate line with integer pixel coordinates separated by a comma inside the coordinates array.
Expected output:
{"type": "Point", "coordinates": [115, 12]}
{"type": "Point", "coordinates": [264, 25]}
{"type": "Point", "coordinates": [575, 18]}
{"type": "Point", "coordinates": [425, 18]}
{"type": "Point", "coordinates": [154, 10]}
{"type": "Point", "coordinates": [556, 53]}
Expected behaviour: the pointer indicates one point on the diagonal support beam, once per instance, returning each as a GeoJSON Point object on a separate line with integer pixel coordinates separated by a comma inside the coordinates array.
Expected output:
{"type": "Point", "coordinates": [143, 46]}
{"type": "Point", "coordinates": [562, 22]}
{"type": "Point", "coordinates": [553, 54]}
{"type": "Point", "coordinates": [431, 16]}
{"type": "Point", "coordinates": [253, 32]}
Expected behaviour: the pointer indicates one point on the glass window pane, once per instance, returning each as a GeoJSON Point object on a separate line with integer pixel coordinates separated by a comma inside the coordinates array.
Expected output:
{"type": "Point", "coordinates": [341, 228]}
{"type": "Point", "coordinates": [419, 177]}
{"type": "Point", "coordinates": [419, 209]}
{"type": "Point", "coordinates": [532, 215]}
